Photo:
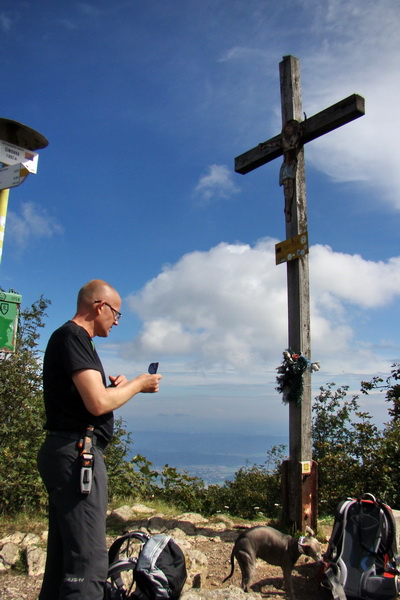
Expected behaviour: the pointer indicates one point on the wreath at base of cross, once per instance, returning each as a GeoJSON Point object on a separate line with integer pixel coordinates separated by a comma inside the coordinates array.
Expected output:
{"type": "Point", "coordinates": [290, 376]}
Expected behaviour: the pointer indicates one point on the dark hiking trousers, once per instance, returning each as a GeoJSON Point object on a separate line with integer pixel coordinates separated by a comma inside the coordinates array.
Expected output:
{"type": "Point", "coordinates": [77, 561]}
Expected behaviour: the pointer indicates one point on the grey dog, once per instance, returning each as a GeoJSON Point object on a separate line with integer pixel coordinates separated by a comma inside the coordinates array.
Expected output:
{"type": "Point", "coordinates": [275, 548]}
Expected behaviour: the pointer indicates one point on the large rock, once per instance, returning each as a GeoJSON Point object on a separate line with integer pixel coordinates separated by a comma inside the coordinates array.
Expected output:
{"type": "Point", "coordinates": [178, 535]}
{"type": "Point", "coordinates": [141, 509]}
{"type": "Point", "coordinates": [122, 516]}
{"type": "Point", "coordinates": [31, 539]}
{"type": "Point", "coordinates": [181, 528]}
{"type": "Point", "coordinates": [126, 518]}
{"type": "Point", "coordinates": [194, 518]}
{"type": "Point", "coordinates": [35, 560]}
{"type": "Point", "coordinates": [186, 526]}
{"type": "Point", "coordinates": [9, 554]}
{"type": "Point", "coordinates": [14, 538]}
{"type": "Point", "coordinates": [28, 544]}
{"type": "Point", "coordinates": [196, 566]}
{"type": "Point", "coordinates": [229, 593]}
{"type": "Point", "coordinates": [157, 524]}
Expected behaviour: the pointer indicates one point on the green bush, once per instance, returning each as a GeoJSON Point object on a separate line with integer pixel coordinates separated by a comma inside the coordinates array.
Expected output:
{"type": "Point", "coordinates": [127, 477]}
{"type": "Point", "coordinates": [353, 456]}
{"type": "Point", "coordinates": [180, 489]}
{"type": "Point", "coordinates": [22, 416]}
{"type": "Point", "coordinates": [255, 490]}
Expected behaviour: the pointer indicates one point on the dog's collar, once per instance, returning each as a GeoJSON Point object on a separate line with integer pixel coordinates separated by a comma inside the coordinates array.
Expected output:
{"type": "Point", "coordinates": [300, 542]}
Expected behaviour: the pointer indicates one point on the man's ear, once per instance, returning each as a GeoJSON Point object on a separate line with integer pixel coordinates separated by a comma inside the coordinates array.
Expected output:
{"type": "Point", "coordinates": [98, 307]}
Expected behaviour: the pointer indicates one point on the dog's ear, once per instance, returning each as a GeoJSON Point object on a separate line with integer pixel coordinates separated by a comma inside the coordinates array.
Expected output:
{"type": "Point", "coordinates": [310, 531]}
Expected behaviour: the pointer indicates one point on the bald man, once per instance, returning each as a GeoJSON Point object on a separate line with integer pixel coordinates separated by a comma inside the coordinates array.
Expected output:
{"type": "Point", "coordinates": [76, 396]}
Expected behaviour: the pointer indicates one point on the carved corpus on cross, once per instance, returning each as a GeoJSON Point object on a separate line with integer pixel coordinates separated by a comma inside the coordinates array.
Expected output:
{"type": "Point", "coordinates": [300, 472]}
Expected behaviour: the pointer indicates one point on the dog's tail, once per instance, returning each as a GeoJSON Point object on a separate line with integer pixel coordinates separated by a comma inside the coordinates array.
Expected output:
{"type": "Point", "coordinates": [232, 567]}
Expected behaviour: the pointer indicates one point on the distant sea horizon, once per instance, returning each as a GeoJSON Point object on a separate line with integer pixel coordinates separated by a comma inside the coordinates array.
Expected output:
{"type": "Point", "coordinates": [213, 457]}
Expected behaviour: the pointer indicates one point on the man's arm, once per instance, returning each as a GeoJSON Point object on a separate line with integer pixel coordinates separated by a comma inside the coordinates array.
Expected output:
{"type": "Point", "coordinates": [100, 400]}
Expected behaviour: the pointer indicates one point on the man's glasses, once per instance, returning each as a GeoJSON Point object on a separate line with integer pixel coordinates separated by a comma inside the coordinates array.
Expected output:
{"type": "Point", "coordinates": [117, 315]}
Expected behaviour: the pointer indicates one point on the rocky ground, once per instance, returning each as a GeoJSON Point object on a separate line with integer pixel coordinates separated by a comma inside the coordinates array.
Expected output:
{"type": "Point", "coordinates": [208, 546]}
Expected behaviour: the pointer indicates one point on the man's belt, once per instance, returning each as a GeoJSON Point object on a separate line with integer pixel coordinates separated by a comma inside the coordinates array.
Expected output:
{"type": "Point", "coordinates": [74, 435]}
{"type": "Point", "coordinates": [85, 442]}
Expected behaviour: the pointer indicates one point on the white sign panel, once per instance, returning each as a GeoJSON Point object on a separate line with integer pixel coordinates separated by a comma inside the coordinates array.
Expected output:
{"type": "Point", "coordinates": [12, 155]}
{"type": "Point", "coordinates": [12, 176]}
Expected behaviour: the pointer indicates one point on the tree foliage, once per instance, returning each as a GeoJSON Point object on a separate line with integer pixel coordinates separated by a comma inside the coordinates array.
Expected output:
{"type": "Point", "coordinates": [22, 414]}
{"type": "Point", "coordinates": [353, 456]}
{"type": "Point", "coordinates": [256, 489]}
{"type": "Point", "coordinates": [127, 476]}
{"type": "Point", "coordinates": [387, 452]}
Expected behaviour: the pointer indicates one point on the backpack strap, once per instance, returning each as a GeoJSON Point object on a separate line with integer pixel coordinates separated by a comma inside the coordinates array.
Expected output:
{"type": "Point", "coordinates": [151, 580]}
{"type": "Point", "coordinates": [368, 496]}
{"type": "Point", "coordinates": [336, 587]}
{"type": "Point", "coordinates": [154, 547]}
{"type": "Point", "coordinates": [113, 553]}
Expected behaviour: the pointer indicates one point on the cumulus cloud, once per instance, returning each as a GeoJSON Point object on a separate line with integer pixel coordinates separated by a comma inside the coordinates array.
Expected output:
{"type": "Point", "coordinates": [351, 47]}
{"type": "Point", "coordinates": [211, 306]}
{"type": "Point", "coordinates": [227, 308]}
{"type": "Point", "coordinates": [358, 49]}
{"type": "Point", "coordinates": [32, 223]}
{"type": "Point", "coordinates": [350, 278]}
{"type": "Point", "coordinates": [217, 182]}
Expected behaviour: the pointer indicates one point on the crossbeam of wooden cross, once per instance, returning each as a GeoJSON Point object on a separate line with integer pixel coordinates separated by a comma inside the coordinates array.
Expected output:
{"type": "Point", "coordinates": [314, 127]}
{"type": "Point", "coordinates": [300, 472]}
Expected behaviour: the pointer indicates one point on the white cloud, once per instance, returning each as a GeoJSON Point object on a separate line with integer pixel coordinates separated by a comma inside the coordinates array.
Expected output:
{"type": "Point", "coordinates": [344, 48]}
{"type": "Point", "coordinates": [358, 50]}
{"type": "Point", "coordinates": [33, 222]}
{"type": "Point", "coordinates": [216, 183]}
{"type": "Point", "coordinates": [211, 306]}
{"type": "Point", "coordinates": [227, 308]}
{"type": "Point", "coordinates": [350, 278]}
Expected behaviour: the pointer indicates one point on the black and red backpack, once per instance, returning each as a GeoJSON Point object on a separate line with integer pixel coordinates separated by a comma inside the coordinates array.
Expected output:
{"type": "Point", "coordinates": [361, 562]}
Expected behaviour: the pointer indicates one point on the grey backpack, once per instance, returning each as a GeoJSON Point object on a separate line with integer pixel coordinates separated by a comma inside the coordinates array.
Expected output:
{"type": "Point", "coordinates": [158, 572]}
{"type": "Point", "coordinates": [361, 562]}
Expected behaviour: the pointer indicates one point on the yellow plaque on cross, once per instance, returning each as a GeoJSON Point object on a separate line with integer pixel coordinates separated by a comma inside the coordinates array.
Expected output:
{"type": "Point", "coordinates": [306, 467]}
{"type": "Point", "coordinates": [291, 249]}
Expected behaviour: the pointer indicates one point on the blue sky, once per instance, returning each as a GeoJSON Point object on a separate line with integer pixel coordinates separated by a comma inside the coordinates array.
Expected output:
{"type": "Point", "coordinates": [145, 105]}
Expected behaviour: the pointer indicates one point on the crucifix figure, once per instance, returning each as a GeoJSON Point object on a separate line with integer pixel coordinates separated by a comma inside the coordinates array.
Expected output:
{"type": "Point", "coordinates": [300, 472]}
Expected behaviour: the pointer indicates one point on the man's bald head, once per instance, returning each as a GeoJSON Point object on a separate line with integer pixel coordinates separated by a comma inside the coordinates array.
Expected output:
{"type": "Point", "coordinates": [98, 308]}
{"type": "Point", "coordinates": [97, 289]}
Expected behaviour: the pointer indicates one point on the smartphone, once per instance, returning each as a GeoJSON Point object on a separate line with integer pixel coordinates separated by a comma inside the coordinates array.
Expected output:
{"type": "Point", "coordinates": [153, 368]}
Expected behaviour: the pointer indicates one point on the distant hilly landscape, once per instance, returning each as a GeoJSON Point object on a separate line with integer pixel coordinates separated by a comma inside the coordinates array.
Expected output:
{"type": "Point", "coordinates": [214, 457]}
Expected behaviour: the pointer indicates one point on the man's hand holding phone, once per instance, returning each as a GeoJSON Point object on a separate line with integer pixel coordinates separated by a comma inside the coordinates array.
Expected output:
{"type": "Point", "coordinates": [154, 381]}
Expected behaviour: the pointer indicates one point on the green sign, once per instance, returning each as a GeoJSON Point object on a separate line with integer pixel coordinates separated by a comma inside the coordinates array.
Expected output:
{"type": "Point", "coordinates": [9, 312]}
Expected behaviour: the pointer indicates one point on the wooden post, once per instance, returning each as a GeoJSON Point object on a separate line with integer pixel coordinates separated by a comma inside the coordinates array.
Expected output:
{"type": "Point", "coordinates": [299, 472]}
{"type": "Point", "coordinates": [298, 290]}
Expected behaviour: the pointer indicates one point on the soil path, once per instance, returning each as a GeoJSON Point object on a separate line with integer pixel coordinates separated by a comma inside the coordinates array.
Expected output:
{"type": "Point", "coordinates": [267, 581]}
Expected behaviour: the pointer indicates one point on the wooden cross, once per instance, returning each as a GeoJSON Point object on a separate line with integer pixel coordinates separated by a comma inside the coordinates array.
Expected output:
{"type": "Point", "coordinates": [299, 481]}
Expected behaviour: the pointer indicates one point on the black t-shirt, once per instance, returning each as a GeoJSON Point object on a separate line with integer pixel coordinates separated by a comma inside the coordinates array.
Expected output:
{"type": "Point", "coordinates": [70, 349]}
